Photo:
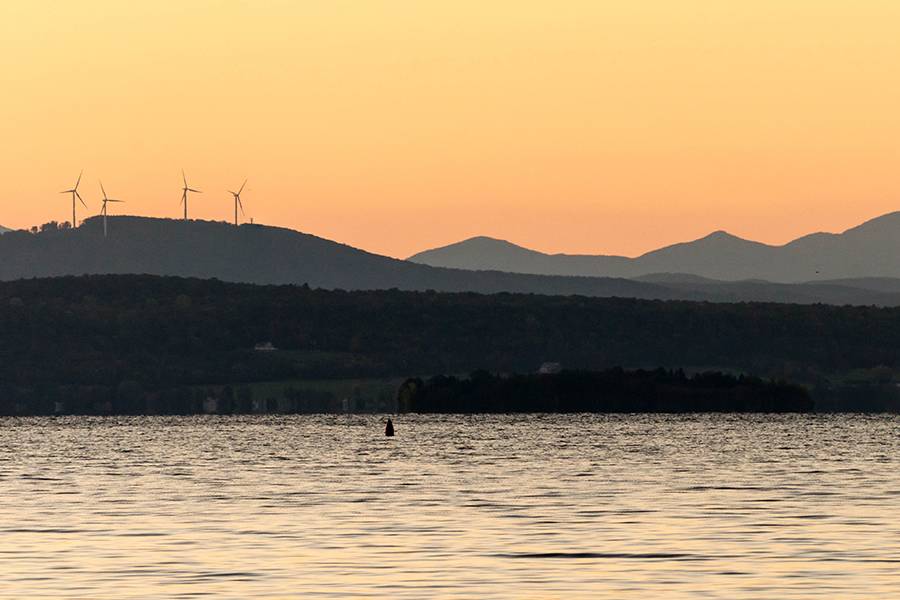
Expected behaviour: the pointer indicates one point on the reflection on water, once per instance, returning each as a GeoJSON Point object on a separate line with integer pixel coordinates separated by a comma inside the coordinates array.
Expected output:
{"type": "Point", "coordinates": [524, 506]}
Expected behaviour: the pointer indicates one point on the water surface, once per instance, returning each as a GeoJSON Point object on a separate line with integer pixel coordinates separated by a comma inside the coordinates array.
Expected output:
{"type": "Point", "coordinates": [564, 506]}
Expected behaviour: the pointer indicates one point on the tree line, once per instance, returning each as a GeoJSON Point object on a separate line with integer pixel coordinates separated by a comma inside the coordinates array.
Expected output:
{"type": "Point", "coordinates": [610, 391]}
{"type": "Point", "coordinates": [91, 335]}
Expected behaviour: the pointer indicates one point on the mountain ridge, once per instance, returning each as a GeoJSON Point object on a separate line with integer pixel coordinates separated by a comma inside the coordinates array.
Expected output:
{"type": "Point", "coordinates": [258, 254]}
{"type": "Point", "coordinates": [865, 250]}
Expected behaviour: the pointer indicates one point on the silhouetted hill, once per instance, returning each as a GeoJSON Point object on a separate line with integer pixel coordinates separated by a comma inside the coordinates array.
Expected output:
{"type": "Point", "coordinates": [271, 255]}
{"type": "Point", "coordinates": [878, 284]}
{"type": "Point", "coordinates": [670, 278]}
{"type": "Point", "coordinates": [489, 254]}
{"type": "Point", "coordinates": [870, 250]}
{"type": "Point", "coordinates": [264, 255]}
{"type": "Point", "coordinates": [719, 255]}
{"type": "Point", "coordinates": [751, 290]}
{"type": "Point", "coordinates": [3, 230]}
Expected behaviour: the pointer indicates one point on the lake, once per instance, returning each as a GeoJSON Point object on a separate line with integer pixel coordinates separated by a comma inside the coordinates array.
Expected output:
{"type": "Point", "coordinates": [526, 506]}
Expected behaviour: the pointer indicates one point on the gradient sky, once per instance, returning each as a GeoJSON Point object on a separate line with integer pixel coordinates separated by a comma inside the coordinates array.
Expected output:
{"type": "Point", "coordinates": [399, 125]}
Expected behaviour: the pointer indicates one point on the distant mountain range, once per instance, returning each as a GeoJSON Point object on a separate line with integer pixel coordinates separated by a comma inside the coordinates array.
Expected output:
{"type": "Point", "coordinates": [869, 250]}
{"type": "Point", "coordinates": [271, 255]}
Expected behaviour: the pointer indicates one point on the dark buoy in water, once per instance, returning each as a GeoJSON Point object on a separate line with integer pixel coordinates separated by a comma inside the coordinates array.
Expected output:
{"type": "Point", "coordinates": [389, 428]}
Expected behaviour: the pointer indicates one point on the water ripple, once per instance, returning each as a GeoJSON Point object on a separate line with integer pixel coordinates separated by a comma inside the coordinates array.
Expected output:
{"type": "Point", "coordinates": [532, 506]}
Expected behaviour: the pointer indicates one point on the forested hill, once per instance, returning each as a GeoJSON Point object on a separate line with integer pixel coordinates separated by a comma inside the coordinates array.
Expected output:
{"type": "Point", "coordinates": [611, 391]}
{"type": "Point", "coordinates": [127, 339]}
{"type": "Point", "coordinates": [173, 330]}
{"type": "Point", "coordinates": [265, 255]}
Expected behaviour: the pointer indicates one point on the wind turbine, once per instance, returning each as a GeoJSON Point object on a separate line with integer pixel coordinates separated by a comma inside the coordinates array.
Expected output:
{"type": "Point", "coordinates": [237, 202]}
{"type": "Point", "coordinates": [103, 210]}
{"type": "Point", "coordinates": [184, 194]}
{"type": "Point", "coordinates": [75, 194]}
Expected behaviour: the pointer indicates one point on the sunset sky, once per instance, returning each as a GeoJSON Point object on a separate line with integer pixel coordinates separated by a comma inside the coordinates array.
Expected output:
{"type": "Point", "coordinates": [399, 125]}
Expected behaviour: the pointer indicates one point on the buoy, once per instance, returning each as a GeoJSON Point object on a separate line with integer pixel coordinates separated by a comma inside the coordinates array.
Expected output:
{"type": "Point", "coordinates": [389, 428]}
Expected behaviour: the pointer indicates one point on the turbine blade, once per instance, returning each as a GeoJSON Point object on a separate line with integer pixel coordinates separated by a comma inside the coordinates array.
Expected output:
{"type": "Point", "coordinates": [102, 190]}
{"type": "Point", "coordinates": [79, 179]}
{"type": "Point", "coordinates": [241, 204]}
{"type": "Point", "coordinates": [193, 190]}
{"type": "Point", "coordinates": [81, 199]}
{"type": "Point", "coordinates": [67, 191]}
{"type": "Point", "coordinates": [242, 187]}
{"type": "Point", "coordinates": [232, 193]}
{"type": "Point", "coordinates": [184, 177]}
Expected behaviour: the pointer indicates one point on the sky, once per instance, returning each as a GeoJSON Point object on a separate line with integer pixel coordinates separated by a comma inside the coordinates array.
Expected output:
{"type": "Point", "coordinates": [398, 125]}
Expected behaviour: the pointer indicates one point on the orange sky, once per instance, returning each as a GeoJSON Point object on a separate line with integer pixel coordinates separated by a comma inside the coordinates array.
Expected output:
{"type": "Point", "coordinates": [398, 125]}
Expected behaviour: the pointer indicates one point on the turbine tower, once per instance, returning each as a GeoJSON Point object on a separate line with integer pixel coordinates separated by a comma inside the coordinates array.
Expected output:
{"type": "Point", "coordinates": [103, 210]}
{"type": "Point", "coordinates": [184, 194]}
{"type": "Point", "coordinates": [237, 202]}
{"type": "Point", "coordinates": [75, 194]}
